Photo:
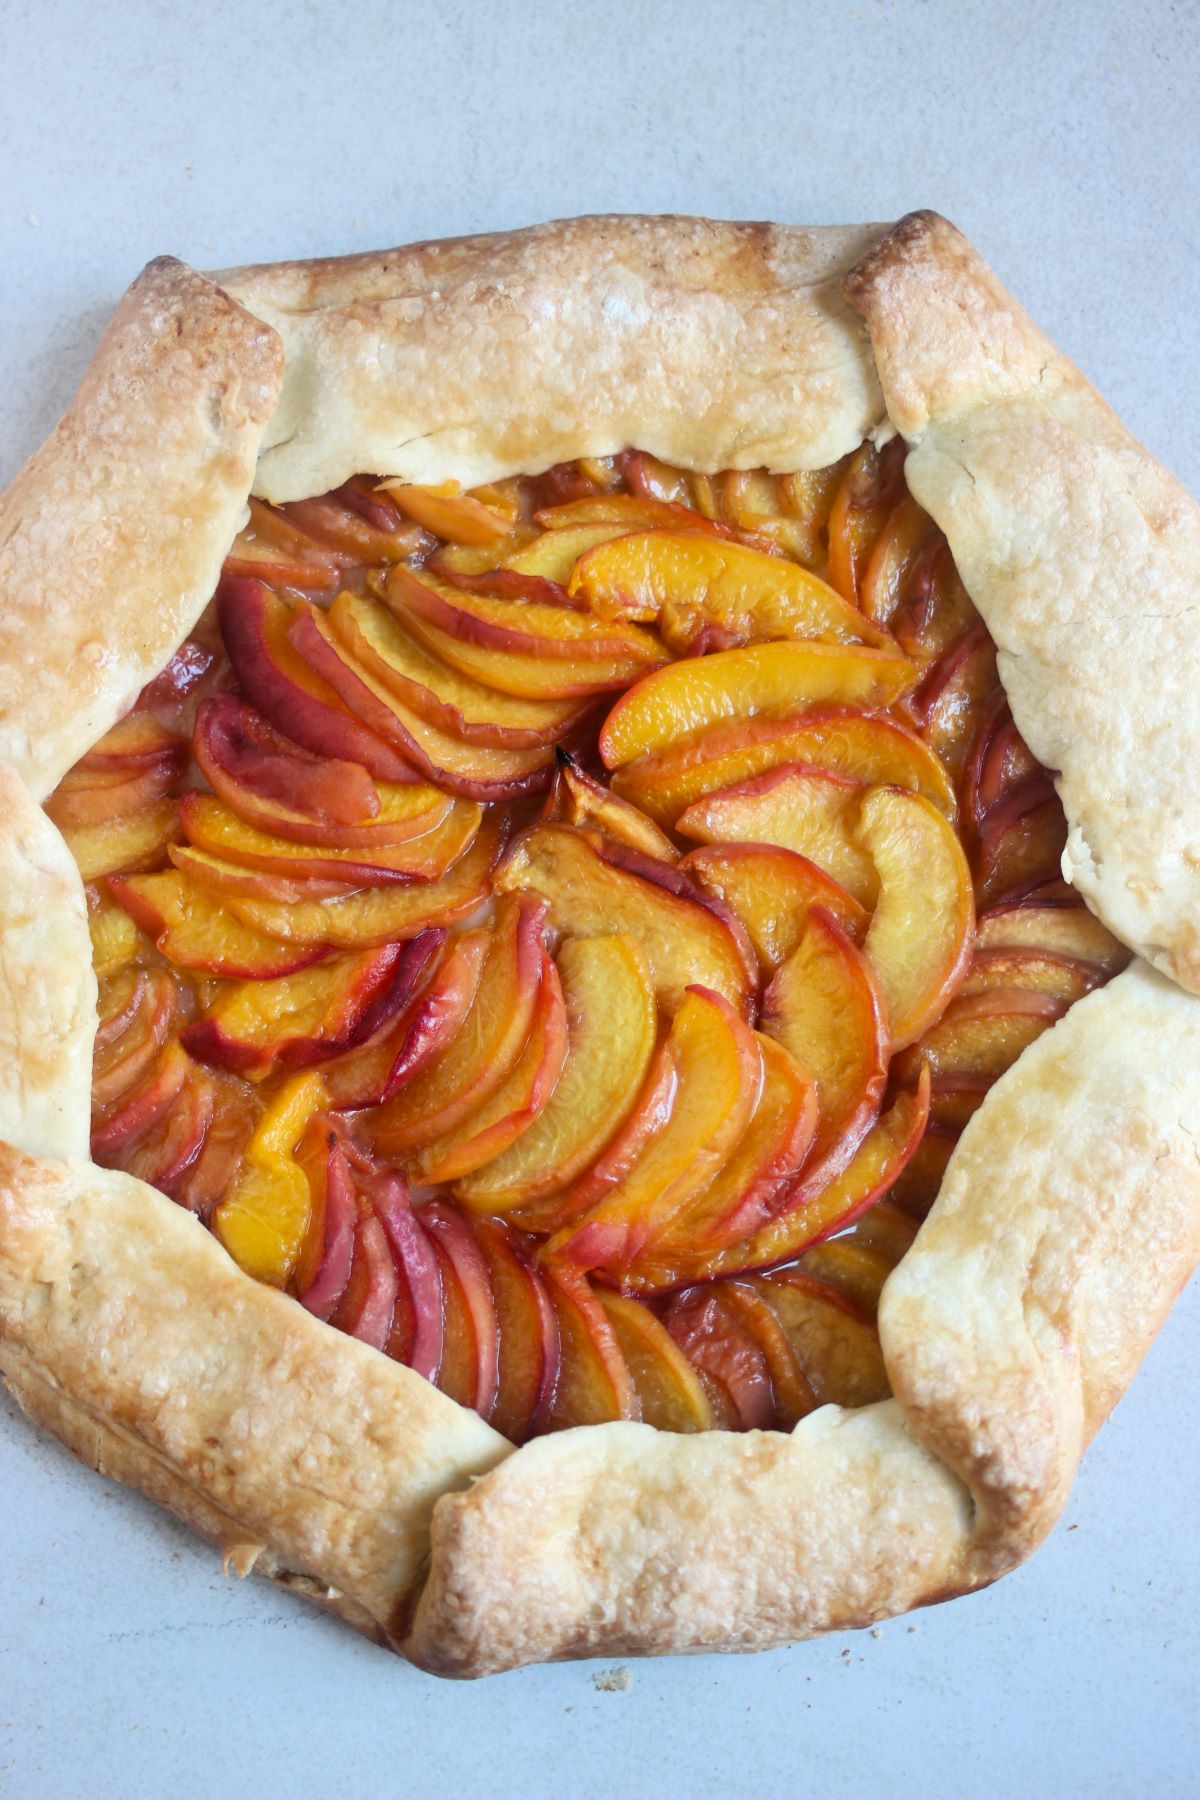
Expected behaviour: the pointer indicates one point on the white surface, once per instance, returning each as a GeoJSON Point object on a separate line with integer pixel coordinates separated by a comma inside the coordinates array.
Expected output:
{"type": "Point", "coordinates": [1065, 140]}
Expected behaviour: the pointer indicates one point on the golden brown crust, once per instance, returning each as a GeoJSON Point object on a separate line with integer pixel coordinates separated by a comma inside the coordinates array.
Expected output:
{"type": "Point", "coordinates": [113, 534]}
{"type": "Point", "coordinates": [47, 988]}
{"type": "Point", "coordinates": [239, 1410]}
{"type": "Point", "coordinates": [1071, 1212]}
{"type": "Point", "coordinates": [713, 345]}
{"type": "Point", "coordinates": [1083, 556]}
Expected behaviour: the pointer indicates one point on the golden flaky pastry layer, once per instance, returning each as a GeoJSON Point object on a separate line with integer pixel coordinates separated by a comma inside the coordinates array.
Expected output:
{"type": "Point", "coordinates": [1070, 1213]}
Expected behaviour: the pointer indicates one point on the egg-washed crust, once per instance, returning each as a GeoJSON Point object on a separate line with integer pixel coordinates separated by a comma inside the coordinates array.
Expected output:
{"type": "Point", "coordinates": [1070, 1213]}
{"type": "Point", "coordinates": [1081, 553]}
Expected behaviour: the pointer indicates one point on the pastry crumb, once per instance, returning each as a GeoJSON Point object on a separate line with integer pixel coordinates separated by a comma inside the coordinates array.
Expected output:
{"type": "Point", "coordinates": [876, 1633]}
{"type": "Point", "coordinates": [612, 1681]}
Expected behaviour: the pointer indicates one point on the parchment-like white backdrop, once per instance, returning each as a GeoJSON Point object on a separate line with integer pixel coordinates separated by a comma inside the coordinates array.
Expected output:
{"type": "Point", "coordinates": [1066, 141]}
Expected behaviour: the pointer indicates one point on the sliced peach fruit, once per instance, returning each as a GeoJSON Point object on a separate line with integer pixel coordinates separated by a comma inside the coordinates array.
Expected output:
{"type": "Point", "coordinates": [791, 1390]}
{"type": "Point", "coordinates": [682, 941]}
{"type": "Point", "coordinates": [193, 930]}
{"type": "Point", "coordinates": [529, 1356]}
{"type": "Point", "coordinates": [290, 1021]}
{"type": "Point", "coordinates": [516, 1104]}
{"type": "Point", "coordinates": [901, 547]}
{"type": "Point", "coordinates": [553, 555]}
{"type": "Point", "coordinates": [274, 678]}
{"type": "Point", "coordinates": [449, 513]}
{"type": "Point", "coordinates": [522, 628]}
{"type": "Point", "coordinates": [770, 891]}
{"type": "Point", "coordinates": [474, 771]}
{"type": "Point", "coordinates": [865, 747]}
{"type": "Point", "coordinates": [726, 1356]}
{"type": "Point", "coordinates": [377, 915]}
{"type": "Point", "coordinates": [672, 1395]}
{"type": "Point", "coordinates": [455, 1243]}
{"type": "Point", "coordinates": [611, 1019]}
{"type": "Point", "coordinates": [428, 1022]}
{"type": "Point", "coordinates": [454, 702]}
{"type": "Point", "coordinates": [1059, 928]}
{"type": "Point", "coordinates": [763, 680]}
{"type": "Point", "coordinates": [577, 798]}
{"type": "Point", "coordinates": [836, 1345]}
{"type": "Point", "coordinates": [139, 840]}
{"type": "Point", "coordinates": [872, 485]}
{"type": "Point", "coordinates": [719, 1072]}
{"type": "Point", "coordinates": [919, 942]}
{"type": "Point", "coordinates": [487, 1046]}
{"type": "Point", "coordinates": [594, 1382]}
{"type": "Point", "coordinates": [263, 1219]}
{"type": "Point", "coordinates": [114, 934]}
{"type": "Point", "coordinates": [794, 807]}
{"type": "Point", "coordinates": [1037, 971]}
{"type": "Point", "coordinates": [706, 594]}
{"type": "Point", "coordinates": [211, 826]}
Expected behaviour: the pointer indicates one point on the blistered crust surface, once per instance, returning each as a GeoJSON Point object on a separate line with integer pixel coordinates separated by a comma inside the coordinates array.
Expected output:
{"type": "Point", "coordinates": [268, 1431]}
{"type": "Point", "coordinates": [47, 988]}
{"type": "Point", "coordinates": [620, 1540]}
{"type": "Point", "coordinates": [712, 345]}
{"type": "Point", "coordinates": [1082, 555]}
{"type": "Point", "coordinates": [113, 534]}
{"type": "Point", "coordinates": [1067, 1222]}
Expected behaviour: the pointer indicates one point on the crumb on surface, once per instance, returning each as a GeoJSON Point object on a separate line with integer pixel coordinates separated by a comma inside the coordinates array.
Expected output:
{"type": "Point", "coordinates": [612, 1681]}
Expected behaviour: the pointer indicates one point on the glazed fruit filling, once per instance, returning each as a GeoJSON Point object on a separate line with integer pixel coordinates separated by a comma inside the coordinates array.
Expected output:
{"type": "Point", "coordinates": [557, 932]}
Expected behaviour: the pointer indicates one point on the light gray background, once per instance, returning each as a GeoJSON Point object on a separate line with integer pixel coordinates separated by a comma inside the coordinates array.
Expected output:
{"type": "Point", "coordinates": [1064, 139]}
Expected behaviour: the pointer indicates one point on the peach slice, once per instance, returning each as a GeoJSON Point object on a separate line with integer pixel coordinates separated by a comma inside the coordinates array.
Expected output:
{"type": "Point", "coordinates": [872, 485]}
{"type": "Point", "coordinates": [791, 1390]}
{"type": "Point", "coordinates": [946, 705]}
{"type": "Point", "coordinates": [594, 1382]}
{"type": "Point", "coordinates": [853, 1269]}
{"type": "Point", "coordinates": [762, 680]}
{"type": "Point", "coordinates": [763, 1165]}
{"type": "Point", "coordinates": [529, 1347]}
{"type": "Point", "coordinates": [137, 841]}
{"type": "Point", "coordinates": [794, 807]}
{"type": "Point", "coordinates": [1021, 846]}
{"type": "Point", "coordinates": [577, 798]}
{"type": "Point", "coordinates": [864, 747]}
{"type": "Point", "coordinates": [719, 1074]}
{"type": "Point", "coordinates": [553, 555]}
{"type": "Point", "coordinates": [167, 1152]}
{"type": "Point", "coordinates": [140, 1107]}
{"type": "Point", "coordinates": [449, 513]}
{"type": "Point", "coordinates": [290, 1021]}
{"type": "Point", "coordinates": [234, 881]}
{"type": "Point", "coordinates": [626, 513]}
{"type": "Point", "coordinates": [900, 550]}
{"type": "Point", "coordinates": [359, 523]}
{"type": "Point", "coordinates": [919, 942]}
{"type": "Point", "coordinates": [770, 891]}
{"type": "Point", "coordinates": [780, 512]}
{"type": "Point", "coordinates": [611, 1023]}
{"type": "Point", "coordinates": [1038, 971]}
{"type": "Point", "coordinates": [836, 1345]}
{"type": "Point", "coordinates": [453, 1241]}
{"type": "Point", "coordinates": [137, 739]}
{"type": "Point", "coordinates": [273, 547]}
{"type": "Point", "coordinates": [522, 628]}
{"type": "Point", "coordinates": [96, 797]}
{"type": "Point", "coordinates": [824, 1006]}
{"type": "Point", "coordinates": [254, 626]}
{"type": "Point", "coordinates": [487, 1046]}
{"type": "Point", "coordinates": [138, 1008]}
{"type": "Point", "coordinates": [516, 1104]}
{"type": "Point", "coordinates": [472, 770]}
{"type": "Point", "coordinates": [264, 1217]}
{"type": "Point", "coordinates": [885, 1228]}
{"type": "Point", "coordinates": [115, 937]}
{"type": "Point", "coordinates": [323, 1268]}
{"type": "Point", "coordinates": [193, 930]}
{"type": "Point", "coordinates": [431, 1015]}
{"type": "Point", "coordinates": [706, 594]}
{"type": "Point", "coordinates": [455, 703]}
{"type": "Point", "coordinates": [1059, 928]}
{"type": "Point", "coordinates": [211, 826]}
{"type": "Point", "coordinates": [237, 1108]}
{"type": "Point", "coordinates": [377, 915]}
{"type": "Point", "coordinates": [979, 1037]}
{"type": "Point", "coordinates": [313, 800]}
{"type": "Point", "coordinates": [525, 677]}
{"type": "Point", "coordinates": [671, 1394]}
{"type": "Point", "coordinates": [367, 1307]}
{"type": "Point", "coordinates": [682, 941]}
{"type": "Point", "coordinates": [725, 1355]}
{"type": "Point", "coordinates": [418, 1322]}
{"type": "Point", "coordinates": [919, 1183]}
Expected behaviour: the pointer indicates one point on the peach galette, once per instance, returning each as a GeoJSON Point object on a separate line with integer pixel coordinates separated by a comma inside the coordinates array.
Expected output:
{"type": "Point", "coordinates": [529, 933]}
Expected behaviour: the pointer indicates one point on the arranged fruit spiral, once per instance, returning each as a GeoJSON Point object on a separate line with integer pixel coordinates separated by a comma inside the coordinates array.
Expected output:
{"type": "Point", "coordinates": [558, 932]}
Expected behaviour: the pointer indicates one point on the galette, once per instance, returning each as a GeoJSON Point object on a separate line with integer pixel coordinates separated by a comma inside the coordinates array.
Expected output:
{"type": "Point", "coordinates": [600, 905]}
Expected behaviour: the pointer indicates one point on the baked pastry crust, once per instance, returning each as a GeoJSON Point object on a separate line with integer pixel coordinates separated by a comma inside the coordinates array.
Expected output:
{"type": "Point", "coordinates": [1070, 1214]}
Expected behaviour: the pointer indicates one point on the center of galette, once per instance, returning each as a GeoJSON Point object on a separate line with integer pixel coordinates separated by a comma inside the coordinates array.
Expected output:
{"type": "Point", "coordinates": [558, 932]}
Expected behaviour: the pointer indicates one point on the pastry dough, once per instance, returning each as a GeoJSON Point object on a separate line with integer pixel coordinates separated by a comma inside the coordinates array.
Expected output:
{"type": "Point", "coordinates": [1070, 1214]}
